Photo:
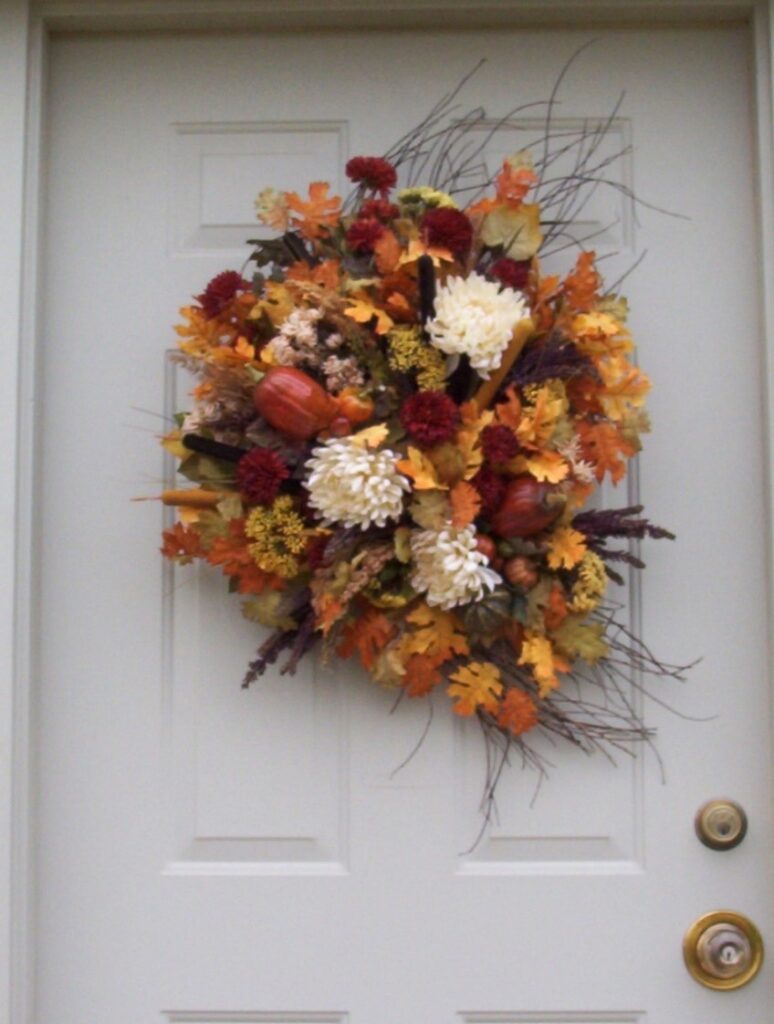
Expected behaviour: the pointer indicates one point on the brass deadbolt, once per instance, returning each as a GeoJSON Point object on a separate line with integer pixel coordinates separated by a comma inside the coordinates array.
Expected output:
{"type": "Point", "coordinates": [723, 950]}
{"type": "Point", "coordinates": [721, 824]}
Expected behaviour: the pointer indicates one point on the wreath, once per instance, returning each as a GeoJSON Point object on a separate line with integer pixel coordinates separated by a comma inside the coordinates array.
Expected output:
{"type": "Point", "coordinates": [399, 423]}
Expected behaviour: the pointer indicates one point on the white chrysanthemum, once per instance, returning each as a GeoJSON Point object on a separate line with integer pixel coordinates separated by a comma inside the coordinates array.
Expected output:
{"type": "Point", "coordinates": [476, 318]}
{"type": "Point", "coordinates": [448, 568]}
{"type": "Point", "coordinates": [354, 485]}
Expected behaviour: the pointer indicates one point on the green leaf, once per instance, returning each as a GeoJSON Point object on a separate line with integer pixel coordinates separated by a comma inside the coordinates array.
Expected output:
{"type": "Point", "coordinates": [579, 638]}
{"type": "Point", "coordinates": [230, 506]}
{"type": "Point", "coordinates": [204, 469]}
{"type": "Point", "coordinates": [266, 609]}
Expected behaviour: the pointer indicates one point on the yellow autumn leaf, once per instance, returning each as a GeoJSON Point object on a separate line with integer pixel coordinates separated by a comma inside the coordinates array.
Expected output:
{"type": "Point", "coordinates": [370, 437]}
{"type": "Point", "coordinates": [538, 653]}
{"type": "Point", "coordinates": [362, 311]}
{"type": "Point", "coordinates": [435, 632]}
{"type": "Point", "coordinates": [277, 303]}
{"type": "Point", "coordinates": [476, 685]}
{"type": "Point", "coordinates": [539, 419]}
{"type": "Point", "coordinates": [244, 349]}
{"type": "Point", "coordinates": [173, 443]}
{"type": "Point", "coordinates": [566, 548]}
{"type": "Point", "coordinates": [546, 466]}
{"type": "Point", "coordinates": [420, 469]}
{"type": "Point", "coordinates": [625, 386]}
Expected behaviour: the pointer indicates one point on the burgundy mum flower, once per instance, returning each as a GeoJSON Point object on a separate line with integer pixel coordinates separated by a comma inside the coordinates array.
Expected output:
{"type": "Point", "coordinates": [499, 443]}
{"type": "Point", "coordinates": [430, 417]}
{"type": "Point", "coordinates": [374, 172]}
{"type": "Point", "coordinates": [381, 209]}
{"type": "Point", "coordinates": [260, 474]}
{"type": "Point", "coordinates": [220, 291]}
{"type": "Point", "coordinates": [363, 234]}
{"type": "Point", "coordinates": [511, 273]}
{"type": "Point", "coordinates": [491, 487]}
{"type": "Point", "coordinates": [447, 229]}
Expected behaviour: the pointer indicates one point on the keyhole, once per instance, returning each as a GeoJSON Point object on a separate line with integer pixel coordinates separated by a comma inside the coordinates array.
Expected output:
{"type": "Point", "coordinates": [730, 954]}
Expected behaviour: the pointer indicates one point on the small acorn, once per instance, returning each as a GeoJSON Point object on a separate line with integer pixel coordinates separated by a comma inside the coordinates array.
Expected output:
{"type": "Point", "coordinates": [486, 546]}
{"type": "Point", "coordinates": [521, 572]}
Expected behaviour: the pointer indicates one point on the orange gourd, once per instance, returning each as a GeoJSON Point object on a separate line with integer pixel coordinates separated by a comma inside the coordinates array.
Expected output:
{"type": "Point", "coordinates": [295, 404]}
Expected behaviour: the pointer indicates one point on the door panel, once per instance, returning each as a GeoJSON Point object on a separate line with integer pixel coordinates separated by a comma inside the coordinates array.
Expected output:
{"type": "Point", "coordinates": [212, 855]}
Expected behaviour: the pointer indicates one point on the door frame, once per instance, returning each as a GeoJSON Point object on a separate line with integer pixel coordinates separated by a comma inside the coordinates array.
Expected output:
{"type": "Point", "coordinates": [26, 29]}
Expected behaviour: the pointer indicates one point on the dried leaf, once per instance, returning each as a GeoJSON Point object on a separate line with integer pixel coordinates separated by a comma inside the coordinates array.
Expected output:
{"type": "Point", "coordinates": [579, 638]}
{"type": "Point", "coordinates": [437, 633]}
{"type": "Point", "coordinates": [421, 470]}
{"type": "Point", "coordinates": [367, 635]}
{"type": "Point", "coordinates": [422, 674]}
{"type": "Point", "coordinates": [319, 212]}
{"type": "Point", "coordinates": [539, 654]}
{"type": "Point", "coordinates": [363, 311]}
{"type": "Point", "coordinates": [181, 543]}
{"type": "Point", "coordinates": [605, 447]}
{"type": "Point", "coordinates": [566, 547]}
{"type": "Point", "coordinates": [387, 252]}
{"type": "Point", "coordinates": [476, 685]}
{"type": "Point", "coordinates": [518, 712]}
{"type": "Point", "coordinates": [582, 283]}
{"type": "Point", "coordinates": [371, 437]}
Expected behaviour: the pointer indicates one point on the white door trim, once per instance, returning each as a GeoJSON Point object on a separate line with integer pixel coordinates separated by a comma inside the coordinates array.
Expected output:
{"type": "Point", "coordinates": [25, 29]}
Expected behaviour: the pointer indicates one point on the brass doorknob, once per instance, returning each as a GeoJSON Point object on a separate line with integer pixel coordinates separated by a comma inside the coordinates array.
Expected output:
{"type": "Point", "coordinates": [721, 824]}
{"type": "Point", "coordinates": [723, 950]}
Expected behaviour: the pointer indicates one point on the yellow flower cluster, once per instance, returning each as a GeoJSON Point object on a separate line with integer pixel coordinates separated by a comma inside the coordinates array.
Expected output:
{"type": "Point", "coordinates": [278, 536]}
{"type": "Point", "coordinates": [589, 589]}
{"type": "Point", "coordinates": [431, 197]}
{"type": "Point", "coordinates": [409, 351]}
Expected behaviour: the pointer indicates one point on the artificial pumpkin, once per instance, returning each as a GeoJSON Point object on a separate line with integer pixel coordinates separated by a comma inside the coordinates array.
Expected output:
{"type": "Point", "coordinates": [293, 403]}
{"type": "Point", "coordinates": [528, 507]}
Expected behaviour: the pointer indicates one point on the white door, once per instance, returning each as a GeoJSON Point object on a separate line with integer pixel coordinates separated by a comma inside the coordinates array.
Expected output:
{"type": "Point", "coordinates": [212, 855]}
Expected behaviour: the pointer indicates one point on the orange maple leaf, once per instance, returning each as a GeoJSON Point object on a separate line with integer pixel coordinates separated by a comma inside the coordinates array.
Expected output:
{"type": "Point", "coordinates": [513, 183]}
{"type": "Point", "coordinates": [465, 503]}
{"type": "Point", "coordinates": [582, 284]}
{"type": "Point", "coordinates": [605, 447]}
{"type": "Point", "coordinates": [422, 674]}
{"type": "Point", "coordinates": [476, 685]}
{"type": "Point", "coordinates": [387, 252]}
{"type": "Point", "coordinates": [366, 635]}
{"type": "Point", "coordinates": [327, 273]}
{"type": "Point", "coordinates": [518, 712]}
{"type": "Point", "coordinates": [555, 611]}
{"type": "Point", "coordinates": [509, 412]}
{"type": "Point", "coordinates": [231, 553]}
{"type": "Point", "coordinates": [315, 215]}
{"type": "Point", "coordinates": [181, 543]}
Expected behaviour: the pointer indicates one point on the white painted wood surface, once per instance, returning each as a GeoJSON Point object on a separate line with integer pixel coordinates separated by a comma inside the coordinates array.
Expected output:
{"type": "Point", "coordinates": [227, 857]}
{"type": "Point", "coordinates": [59, 15]}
